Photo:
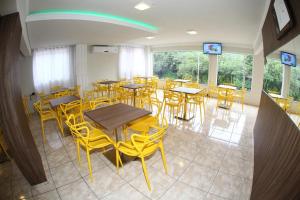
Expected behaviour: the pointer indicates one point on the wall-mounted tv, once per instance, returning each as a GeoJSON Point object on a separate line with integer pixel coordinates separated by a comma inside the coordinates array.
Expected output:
{"type": "Point", "coordinates": [212, 48]}
{"type": "Point", "coordinates": [288, 59]}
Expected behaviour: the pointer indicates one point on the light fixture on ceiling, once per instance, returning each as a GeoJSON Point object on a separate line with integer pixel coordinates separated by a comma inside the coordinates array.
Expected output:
{"type": "Point", "coordinates": [150, 37]}
{"type": "Point", "coordinates": [192, 32]}
{"type": "Point", "coordinates": [142, 6]}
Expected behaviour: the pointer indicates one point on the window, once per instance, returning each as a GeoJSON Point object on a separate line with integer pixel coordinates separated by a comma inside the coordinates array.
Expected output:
{"type": "Point", "coordinates": [192, 65]}
{"type": "Point", "coordinates": [51, 67]}
{"type": "Point", "coordinates": [273, 76]}
{"type": "Point", "coordinates": [235, 69]}
{"type": "Point", "coordinates": [295, 83]}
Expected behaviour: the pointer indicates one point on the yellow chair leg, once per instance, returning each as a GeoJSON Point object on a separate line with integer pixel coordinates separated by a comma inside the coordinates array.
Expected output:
{"type": "Point", "coordinates": [117, 160]}
{"type": "Point", "coordinates": [163, 157]}
{"type": "Point", "coordinates": [145, 173]}
{"type": "Point", "coordinates": [89, 164]}
{"type": "Point", "coordinates": [78, 154]}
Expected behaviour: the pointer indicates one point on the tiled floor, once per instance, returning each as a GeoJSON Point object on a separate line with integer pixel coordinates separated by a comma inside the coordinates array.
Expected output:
{"type": "Point", "coordinates": [212, 161]}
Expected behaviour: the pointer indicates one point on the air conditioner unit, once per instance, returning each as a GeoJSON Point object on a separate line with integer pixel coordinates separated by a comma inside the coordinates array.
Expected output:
{"type": "Point", "coordinates": [104, 49]}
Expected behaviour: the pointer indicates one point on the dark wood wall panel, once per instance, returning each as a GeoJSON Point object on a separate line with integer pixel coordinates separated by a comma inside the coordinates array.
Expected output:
{"type": "Point", "coordinates": [276, 154]}
{"type": "Point", "coordinates": [269, 31]}
{"type": "Point", "coordinates": [12, 117]}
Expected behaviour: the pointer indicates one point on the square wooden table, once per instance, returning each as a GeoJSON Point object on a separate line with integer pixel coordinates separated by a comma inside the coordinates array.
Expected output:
{"type": "Point", "coordinates": [113, 117]}
{"type": "Point", "coordinates": [59, 90]}
{"type": "Point", "coordinates": [54, 103]}
{"type": "Point", "coordinates": [108, 83]}
{"type": "Point", "coordinates": [186, 91]}
{"type": "Point", "coordinates": [181, 81]}
{"type": "Point", "coordinates": [133, 87]}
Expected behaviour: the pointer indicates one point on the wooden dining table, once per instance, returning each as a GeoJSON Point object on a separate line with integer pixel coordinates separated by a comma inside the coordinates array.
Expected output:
{"type": "Point", "coordinates": [54, 103]}
{"type": "Point", "coordinates": [181, 81]}
{"type": "Point", "coordinates": [114, 117]}
{"type": "Point", "coordinates": [109, 84]}
{"type": "Point", "coordinates": [58, 90]}
{"type": "Point", "coordinates": [186, 91]}
{"type": "Point", "coordinates": [133, 87]}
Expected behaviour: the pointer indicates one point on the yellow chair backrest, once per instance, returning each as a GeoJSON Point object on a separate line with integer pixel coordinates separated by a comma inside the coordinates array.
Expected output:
{"type": "Point", "coordinates": [147, 144]}
{"type": "Point", "coordinates": [38, 106]}
{"type": "Point", "coordinates": [82, 131]}
{"type": "Point", "coordinates": [74, 107]}
{"type": "Point", "coordinates": [98, 103]}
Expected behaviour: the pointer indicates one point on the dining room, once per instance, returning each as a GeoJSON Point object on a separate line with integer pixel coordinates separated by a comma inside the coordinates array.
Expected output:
{"type": "Point", "coordinates": [128, 100]}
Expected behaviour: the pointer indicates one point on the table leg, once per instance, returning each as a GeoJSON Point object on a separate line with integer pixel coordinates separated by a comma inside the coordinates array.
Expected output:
{"type": "Point", "coordinates": [134, 94]}
{"type": "Point", "coordinates": [185, 107]}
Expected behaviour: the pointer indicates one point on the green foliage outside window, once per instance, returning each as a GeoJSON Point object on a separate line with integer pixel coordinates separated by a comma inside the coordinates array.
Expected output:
{"type": "Point", "coordinates": [192, 65]}
{"type": "Point", "coordinates": [235, 69]}
{"type": "Point", "coordinates": [295, 83]}
{"type": "Point", "coordinates": [273, 76]}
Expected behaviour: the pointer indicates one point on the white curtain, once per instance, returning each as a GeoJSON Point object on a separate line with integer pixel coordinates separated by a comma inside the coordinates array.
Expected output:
{"type": "Point", "coordinates": [134, 61]}
{"type": "Point", "coordinates": [53, 66]}
{"type": "Point", "coordinates": [81, 66]}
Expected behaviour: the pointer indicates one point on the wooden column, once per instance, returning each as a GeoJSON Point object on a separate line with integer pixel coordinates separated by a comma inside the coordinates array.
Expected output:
{"type": "Point", "coordinates": [276, 154]}
{"type": "Point", "coordinates": [12, 116]}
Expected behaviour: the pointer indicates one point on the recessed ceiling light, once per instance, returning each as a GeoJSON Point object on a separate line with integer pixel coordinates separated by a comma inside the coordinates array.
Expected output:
{"type": "Point", "coordinates": [142, 6]}
{"type": "Point", "coordinates": [150, 37]}
{"type": "Point", "coordinates": [192, 32]}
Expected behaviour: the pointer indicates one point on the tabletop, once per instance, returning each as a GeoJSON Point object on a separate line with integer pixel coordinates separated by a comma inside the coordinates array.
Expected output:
{"type": "Point", "coordinates": [62, 100]}
{"type": "Point", "coordinates": [133, 86]}
{"type": "Point", "coordinates": [182, 80]}
{"type": "Point", "coordinates": [59, 90]}
{"type": "Point", "coordinates": [108, 82]}
{"type": "Point", "coordinates": [230, 87]}
{"type": "Point", "coordinates": [187, 90]}
{"type": "Point", "coordinates": [115, 116]}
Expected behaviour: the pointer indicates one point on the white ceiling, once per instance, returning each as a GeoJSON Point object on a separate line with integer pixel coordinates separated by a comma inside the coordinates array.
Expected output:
{"type": "Point", "coordinates": [233, 22]}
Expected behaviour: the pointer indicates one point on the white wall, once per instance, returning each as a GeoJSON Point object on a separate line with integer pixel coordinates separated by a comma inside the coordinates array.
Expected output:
{"type": "Point", "coordinates": [102, 66]}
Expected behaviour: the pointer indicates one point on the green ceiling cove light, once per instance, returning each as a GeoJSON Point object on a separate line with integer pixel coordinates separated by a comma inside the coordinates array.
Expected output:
{"type": "Point", "coordinates": [105, 16]}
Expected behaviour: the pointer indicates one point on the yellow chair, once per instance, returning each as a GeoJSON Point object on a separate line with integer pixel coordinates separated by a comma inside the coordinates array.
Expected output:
{"type": "Point", "coordinates": [174, 102]}
{"type": "Point", "coordinates": [45, 114]}
{"type": "Point", "coordinates": [75, 91]}
{"type": "Point", "coordinates": [169, 84]}
{"type": "Point", "coordinates": [3, 145]}
{"type": "Point", "coordinates": [198, 100]}
{"type": "Point", "coordinates": [99, 102]}
{"type": "Point", "coordinates": [88, 95]}
{"type": "Point", "coordinates": [89, 138]}
{"type": "Point", "coordinates": [143, 125]}
{"type": "Point", "coordinates": [225, 98]}
{"type": "Point", "coordinates": [65, 110]}
{"type": "Point", "coordinates": [142, 146]}
{"type": "Point", "coordinates": [25, 100]}
{"type": "Point", "coordinates": [284, 103]}
{"type": "Point", "coordinates": [239, 95]}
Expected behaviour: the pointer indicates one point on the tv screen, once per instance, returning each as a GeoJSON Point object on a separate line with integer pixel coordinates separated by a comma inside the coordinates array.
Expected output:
{"type": "Point", "coordinates": [288, 59]}
{"type": "Point", "coordinates": [212, 48]}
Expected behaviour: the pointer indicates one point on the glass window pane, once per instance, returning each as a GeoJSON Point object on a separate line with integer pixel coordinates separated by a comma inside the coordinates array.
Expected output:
{"type": "Point", "coordinates": [273, 76]}
{"type": "Point", "coordinates": [295, 83]}
{"type": "Point", "coordinates": [235, 69]}
{"type": "Point", "coordinates": [192, 65]}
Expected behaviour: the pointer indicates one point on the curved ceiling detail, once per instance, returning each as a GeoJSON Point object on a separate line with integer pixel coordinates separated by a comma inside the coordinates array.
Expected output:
{"type": "Point", "coordinates": [59, 14]}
